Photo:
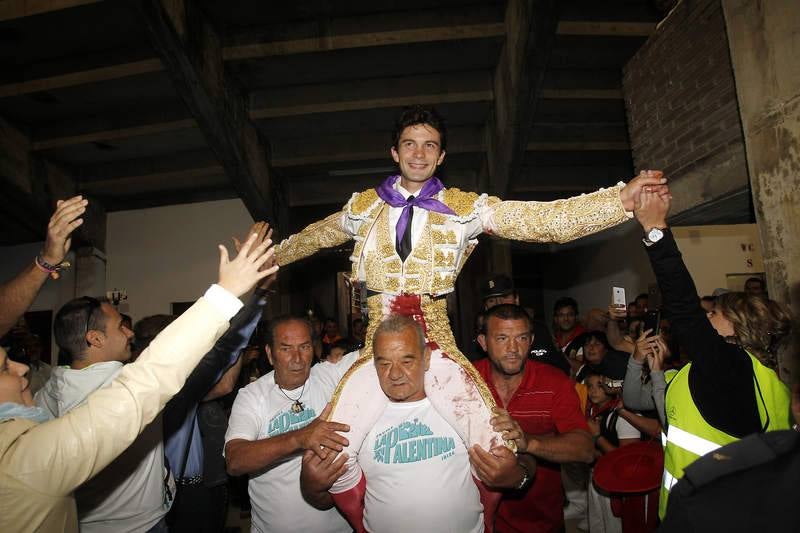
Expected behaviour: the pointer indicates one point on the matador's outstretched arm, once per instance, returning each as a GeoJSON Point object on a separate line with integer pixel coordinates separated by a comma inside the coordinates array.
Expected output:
{"type": "Point", "coordinates": [326, 233]}
{"type": "Point", "coordinates": [558, 221]}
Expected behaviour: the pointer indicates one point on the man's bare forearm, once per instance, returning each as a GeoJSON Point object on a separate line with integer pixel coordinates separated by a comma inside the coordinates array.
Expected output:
{"type": "Point", "coordinates": [571, 447]}
{"type": "Point", "coordinates": [226, 383]}
{"type": "Point", "coordinates": [248, 456]}
{"type": "Point", "coordinates": [17, 295]}
{"type": "Point", "coordinates": [321, 500]}
{"type": "Point", "coordinates": [616, 339]}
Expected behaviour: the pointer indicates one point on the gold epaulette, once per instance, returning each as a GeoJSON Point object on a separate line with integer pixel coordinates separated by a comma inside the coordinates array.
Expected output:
{"type": "Point", "coordinates": [362, 202]}
{"type": "Point", "coordinates": [463, 203]}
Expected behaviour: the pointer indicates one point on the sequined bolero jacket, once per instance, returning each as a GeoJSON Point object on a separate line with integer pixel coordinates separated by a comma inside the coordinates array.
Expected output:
{"type": "Point", "coordinates": [447, 240]}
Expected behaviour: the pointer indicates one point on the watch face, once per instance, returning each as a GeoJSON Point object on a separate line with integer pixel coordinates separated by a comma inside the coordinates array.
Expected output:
{"type": "Point", "coordinates": [654, 235]}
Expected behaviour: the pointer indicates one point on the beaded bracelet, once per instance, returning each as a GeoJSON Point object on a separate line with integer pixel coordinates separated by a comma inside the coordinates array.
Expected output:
{"type": "Point", "coordinates": [52, 270]}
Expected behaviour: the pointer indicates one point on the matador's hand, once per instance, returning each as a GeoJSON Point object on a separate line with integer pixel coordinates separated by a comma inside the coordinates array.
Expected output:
{"type": "Point", "coordinates": [649, 180]}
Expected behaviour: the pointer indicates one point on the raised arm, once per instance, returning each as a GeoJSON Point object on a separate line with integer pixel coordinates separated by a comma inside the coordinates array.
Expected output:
{"type": "Point", "coordinates": [83, 442]}
{"type": "Point", "coordinates": [712, 357]}
{"type": "Point", "coordinates": [615, 337]}
{"type": "Point", "coordinates": [17, 295]}
{"type": "Point", "coordinates": [326, 233]}
{"type": "Point", "coordinates": [568, 219]}
{"type": "Point", "coordinates": [718, 367]}
{"type": "Point", "coordinates": [635, 394]}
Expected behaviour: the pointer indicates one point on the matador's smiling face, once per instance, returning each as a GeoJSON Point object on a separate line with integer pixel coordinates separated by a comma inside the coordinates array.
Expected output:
{"type": "Point", "coordinates": [418, 153]}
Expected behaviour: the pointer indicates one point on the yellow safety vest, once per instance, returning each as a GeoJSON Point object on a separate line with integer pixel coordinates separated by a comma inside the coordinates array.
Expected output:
{"type": "Point", "coordinates": [688, 435]}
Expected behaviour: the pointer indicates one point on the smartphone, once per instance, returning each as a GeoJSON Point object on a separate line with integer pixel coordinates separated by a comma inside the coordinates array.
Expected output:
{"type": "Point", "coordinates": [652, 320]}
{"type": "Point", "coordinates": [618, 296]}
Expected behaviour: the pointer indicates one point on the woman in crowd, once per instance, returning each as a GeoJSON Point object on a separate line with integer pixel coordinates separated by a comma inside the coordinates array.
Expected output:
{"type": "Point", "coordinates": [730, 388]}
{"type": "Point", "coordinates": [645, 384]}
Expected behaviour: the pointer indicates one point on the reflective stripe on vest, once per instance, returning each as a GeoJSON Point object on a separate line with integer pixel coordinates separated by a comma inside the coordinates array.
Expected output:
{"type": "Point", "coordinates": [688, 434]}
{"type": "Point", "coordinates": [689, 442]}
{"type": "Point", "coordinates": [669, 480]}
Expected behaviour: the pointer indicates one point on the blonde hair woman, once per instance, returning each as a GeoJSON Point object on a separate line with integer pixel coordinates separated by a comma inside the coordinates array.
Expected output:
{"type": "Point", "coordinates": [757, 324]}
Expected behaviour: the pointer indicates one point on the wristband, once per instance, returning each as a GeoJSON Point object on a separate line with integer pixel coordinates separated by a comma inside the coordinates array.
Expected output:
{"type": "Point", "coordinates": [52, 270]}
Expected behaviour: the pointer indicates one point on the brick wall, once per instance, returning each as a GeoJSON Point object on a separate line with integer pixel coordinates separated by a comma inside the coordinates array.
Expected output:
{"type": "Point", "coordinates": [683, 115]}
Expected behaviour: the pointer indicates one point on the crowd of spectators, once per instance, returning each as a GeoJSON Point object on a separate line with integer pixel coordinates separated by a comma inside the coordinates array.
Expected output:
{"type": "Point", "coordinates": [156, 424]}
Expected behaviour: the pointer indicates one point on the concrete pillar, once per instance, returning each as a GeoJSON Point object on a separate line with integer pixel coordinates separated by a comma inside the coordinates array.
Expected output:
{"type": "Point", "coordinates": [764, 46]}
{"type": "Point", "coordinates": [763, 41]}
{"type": "Point", "coordinates": [90, 274]}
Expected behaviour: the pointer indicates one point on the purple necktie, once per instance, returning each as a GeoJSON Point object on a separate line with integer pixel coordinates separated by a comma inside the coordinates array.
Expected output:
{"type": "Point", "coordinates": [424, 199]}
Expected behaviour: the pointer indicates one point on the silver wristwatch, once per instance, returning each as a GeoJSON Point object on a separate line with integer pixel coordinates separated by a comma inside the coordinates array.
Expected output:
{"type": "Point", "coordinates": [526, 478]}
{"type": "Point", "coordinates": [653, 236]}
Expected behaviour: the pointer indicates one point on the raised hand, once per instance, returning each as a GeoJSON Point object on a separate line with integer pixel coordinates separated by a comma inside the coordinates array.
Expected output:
{"type": "Point", "coordinates": [319, 435]}
{"type": "Point", "coordinates": [651, 209]}
{"type": "Point", "coordinates": [59, 231]}
{"type": "Point", "coordinates": [239, 275]}
{"type": "Point", "coordinates": [617, 311]}
{"type": "Point", "coordinates": [260, 229]}
{"type": "Point", "coordinates": [263, 232]}
{"type": "Point", "coordinates": [647, 180]}
{"type": "Point", "coordinates": [655, 359]}
{"type": "Point", "coordinates": [644, 345]}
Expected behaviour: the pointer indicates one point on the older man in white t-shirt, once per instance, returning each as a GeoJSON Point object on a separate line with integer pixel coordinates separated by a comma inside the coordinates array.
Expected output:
{"type": "Point", "coordinates": [416, 469]}
{"type": "Point", "coordinates": [274, 420]}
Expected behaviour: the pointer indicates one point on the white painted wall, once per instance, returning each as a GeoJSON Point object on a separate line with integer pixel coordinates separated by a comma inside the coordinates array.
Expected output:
{"type": "Point", "coordinates": [587, 269]}
{"type": "Point", "coordinates": [713, 252]}
{"type": "Point", "coordinates": [169, 254]}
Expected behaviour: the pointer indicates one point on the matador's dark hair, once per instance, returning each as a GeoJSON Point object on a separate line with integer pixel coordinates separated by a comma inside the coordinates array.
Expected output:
{"type": "Point", "coordinates": [419, 114]}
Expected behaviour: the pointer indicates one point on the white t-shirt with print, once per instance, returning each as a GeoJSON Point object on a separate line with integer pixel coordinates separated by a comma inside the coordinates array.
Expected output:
{"type": "Point", "coordinates": [418, 474]}
{"type": "Point", "coordinates": [261, 411]}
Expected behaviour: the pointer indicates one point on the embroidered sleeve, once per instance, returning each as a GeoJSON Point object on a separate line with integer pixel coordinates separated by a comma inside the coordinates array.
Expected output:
{"type": "Point", "coordinates": [559, 221]}
{"type": "Point", "coordinates": [326, 233]}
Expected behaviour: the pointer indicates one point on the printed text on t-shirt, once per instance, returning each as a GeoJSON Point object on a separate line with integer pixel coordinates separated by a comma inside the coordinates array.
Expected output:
{"type": "Point", "coordinates": [288, 421]}
{"type": "Point", "coordinates": [411, 442]}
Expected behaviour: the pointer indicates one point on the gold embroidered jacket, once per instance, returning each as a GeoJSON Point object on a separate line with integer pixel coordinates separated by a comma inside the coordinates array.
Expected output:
{"type": "Point", "coordinates": [447, 240]}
